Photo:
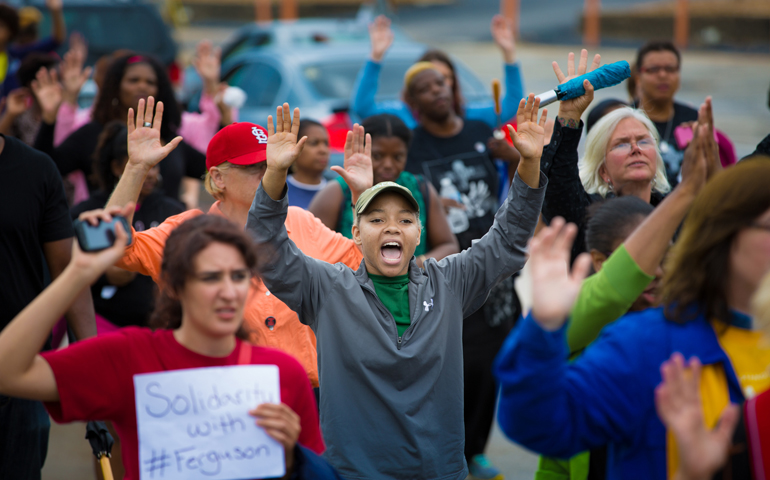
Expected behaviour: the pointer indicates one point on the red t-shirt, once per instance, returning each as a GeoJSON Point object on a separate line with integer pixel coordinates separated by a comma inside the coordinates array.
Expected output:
{"type": "Point", "coordinates": [95, 379]}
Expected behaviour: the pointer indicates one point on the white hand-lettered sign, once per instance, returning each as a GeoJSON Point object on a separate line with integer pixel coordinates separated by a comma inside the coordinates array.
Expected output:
{"type": "Point", "coordinates": [194, 424]}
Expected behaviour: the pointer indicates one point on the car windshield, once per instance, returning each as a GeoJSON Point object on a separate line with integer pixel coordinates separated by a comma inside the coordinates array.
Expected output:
{"type": "Point", "coordinates": [335, 80]}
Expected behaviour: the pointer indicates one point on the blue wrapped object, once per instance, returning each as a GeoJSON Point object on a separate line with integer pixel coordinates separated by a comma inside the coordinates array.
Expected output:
{"type": "Point", "coordinates": [604, 76]}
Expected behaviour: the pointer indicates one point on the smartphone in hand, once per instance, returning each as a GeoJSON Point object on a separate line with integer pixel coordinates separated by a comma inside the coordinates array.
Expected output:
{"type": "Point", "coordinates": [93, 239]}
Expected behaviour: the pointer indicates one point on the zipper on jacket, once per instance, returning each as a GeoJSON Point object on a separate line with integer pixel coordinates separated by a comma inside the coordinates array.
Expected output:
{"type": "Point", "coordinates": [382, 306]}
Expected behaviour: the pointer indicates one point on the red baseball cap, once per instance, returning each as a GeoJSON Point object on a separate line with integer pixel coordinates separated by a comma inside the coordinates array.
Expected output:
{"type": "Point", "coordinates": [241, 143]}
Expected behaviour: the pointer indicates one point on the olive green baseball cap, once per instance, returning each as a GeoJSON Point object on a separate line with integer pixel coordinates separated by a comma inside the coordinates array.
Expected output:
{"type": "Point", "coordinates": [371, 193]}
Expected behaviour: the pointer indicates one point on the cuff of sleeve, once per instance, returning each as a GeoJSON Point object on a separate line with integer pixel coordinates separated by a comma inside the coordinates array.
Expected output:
{"type": "Point", "coordinates": [569, 133]}
{"type": "Point", "coordinates": [372, 65]}
{"type": "Point", "coordinates": [540, 343]}
{"type": "Point", "coordinates": [524, 190]}
{"type": "Point", "coordinates": [624, 274]}
{"type": "Point", "coordinates": [299, 459]}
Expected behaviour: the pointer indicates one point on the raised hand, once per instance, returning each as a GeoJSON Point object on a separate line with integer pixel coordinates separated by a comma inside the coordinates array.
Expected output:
{"type": "Point", "coordinates": [701, 451]}
{"type": "Point", "coordinates": [357, 171]}
{"type": "Point", "coordinates": [145, 149]}
{"type": "Point", "coordinates": [529, 134]}
{"type": "Point", "coordinates": [554, 287]}
{"type": "Point", "coordinates": [282, 145]}
{"type": "Point", "coordinates": [16, 102]}
{"type": "Point", "coordinates": [207, 63]}
{"type": "Point", "coordinates": [711, 149]}
{"type": "Point", "coordinates": [73, 75]}
{"type": "Point", "coordinates": [502, 33]}
{"type": "Point", "coordinates": [54, 5]}
{"type": "Point", "coordinates": [381, 37]}
{"type": "Point", "coordinates": [573, 109]}
{"type": "Point", "coordinates": [48, 92]}
{"type": "Point", "coordinates": [695, 165]}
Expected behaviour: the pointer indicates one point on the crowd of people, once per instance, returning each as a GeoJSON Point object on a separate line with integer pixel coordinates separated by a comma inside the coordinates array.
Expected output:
{"type": "Point", "coordinates": [385, 295]}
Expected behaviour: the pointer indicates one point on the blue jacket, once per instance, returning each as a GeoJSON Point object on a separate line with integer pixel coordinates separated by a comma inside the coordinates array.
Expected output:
{"type": "Point", "coordinates": [605, 397]}
{"type": "Point", "coordinates": [363, 104]}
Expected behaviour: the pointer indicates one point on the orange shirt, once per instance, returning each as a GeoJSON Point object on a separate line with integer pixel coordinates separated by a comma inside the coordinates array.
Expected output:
{"type": "Point", "coordinates": [271, 322]}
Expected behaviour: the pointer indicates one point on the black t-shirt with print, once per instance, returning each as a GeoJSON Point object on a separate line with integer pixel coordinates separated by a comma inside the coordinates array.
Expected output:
{"type": "Point", "coordinates": [34, 212]}
{"type": "Point", "coordinates": [460, 166]}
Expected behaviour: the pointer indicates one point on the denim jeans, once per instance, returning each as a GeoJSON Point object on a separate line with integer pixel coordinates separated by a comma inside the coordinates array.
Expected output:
{"type": "Point", "coordinates": [24, 427]}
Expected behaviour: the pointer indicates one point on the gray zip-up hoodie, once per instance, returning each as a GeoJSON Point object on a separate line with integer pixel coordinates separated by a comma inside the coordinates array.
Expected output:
{"type": "Point", "coordinates": [392, 407]}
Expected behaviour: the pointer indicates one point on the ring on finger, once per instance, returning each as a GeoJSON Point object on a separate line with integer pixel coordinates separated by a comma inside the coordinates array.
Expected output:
{"type": "Point", "coordinates": [147, 124]}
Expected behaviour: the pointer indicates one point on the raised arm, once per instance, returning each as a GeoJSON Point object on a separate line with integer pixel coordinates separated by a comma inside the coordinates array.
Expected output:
{"type": "Point", "coordinates": [73, 76]}
{"type": "Point", "coordinates": [584, 404]}
{"type": "Point", "coordinates": [501, 252]}
{"type": "Point", "coordinates": [297, 280]}
{"type": "Point", "coordinates": [504, 37]}
{"type": "Point", "coordinates": [58, 26]}
{"type": "Point", "coordinates": [363, 101]}
{"type": "Point", "coordinates": [608, 294]}
{"type": "Point", "coordinates": [24, 373]}
{"type": "Point", "coordinates": [566, 196]}
{"type": "Point", "coordinates": [144, 152]}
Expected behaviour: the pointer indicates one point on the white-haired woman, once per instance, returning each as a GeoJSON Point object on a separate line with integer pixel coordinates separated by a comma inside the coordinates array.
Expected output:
{"type": "Point", "coordinates": [621, 158]}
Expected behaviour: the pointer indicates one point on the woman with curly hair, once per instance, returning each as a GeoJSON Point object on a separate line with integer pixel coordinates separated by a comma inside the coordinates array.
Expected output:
{"type": "Point", "coordinates": [129, 78]}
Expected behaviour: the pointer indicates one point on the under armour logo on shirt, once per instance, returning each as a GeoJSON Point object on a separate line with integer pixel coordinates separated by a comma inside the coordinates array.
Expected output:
{"type": "Point", "coordinates": [260, 134]}
{"type": "Point", "coordinates": [428, 306]}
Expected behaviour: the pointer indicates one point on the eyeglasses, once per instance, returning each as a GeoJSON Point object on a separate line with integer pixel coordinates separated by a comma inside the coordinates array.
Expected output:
{"type": "Point", "coordinates": [654, 70]}
{"type": "Point", "coordinates": [627, 147]}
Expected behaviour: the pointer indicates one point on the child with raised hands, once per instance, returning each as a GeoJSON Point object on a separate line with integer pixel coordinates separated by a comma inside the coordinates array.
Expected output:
{"type": "Point", "coordinates": [390, 333]}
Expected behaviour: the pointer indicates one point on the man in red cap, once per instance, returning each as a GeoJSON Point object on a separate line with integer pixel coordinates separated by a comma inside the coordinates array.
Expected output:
{"type": "Point", "coordinates": [235, 164]}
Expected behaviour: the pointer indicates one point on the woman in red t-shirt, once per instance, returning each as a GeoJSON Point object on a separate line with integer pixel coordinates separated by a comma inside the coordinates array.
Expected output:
{"type": "Point", "coordinates": [208, 265]}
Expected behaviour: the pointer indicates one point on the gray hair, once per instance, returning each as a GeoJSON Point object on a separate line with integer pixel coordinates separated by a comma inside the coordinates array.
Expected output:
{"type": "Point", "coordinates": [596, 149]}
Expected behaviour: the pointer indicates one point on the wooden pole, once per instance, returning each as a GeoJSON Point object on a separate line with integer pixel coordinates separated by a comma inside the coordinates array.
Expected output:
{"type": "Point", "coordinates": [510, 10]}
{"type": "Point", "coordinates": [681, 23]}
{"type": "Point", "coordinates": [591, 12]}
{"type": "Point", "coordinates": [289, 10]}
{"type": "Point", "coordinates": [263, 10]}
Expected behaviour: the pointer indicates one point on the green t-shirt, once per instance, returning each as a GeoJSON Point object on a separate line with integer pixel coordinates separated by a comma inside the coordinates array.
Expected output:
{"type": "Point", "coordinates": [393, 292]}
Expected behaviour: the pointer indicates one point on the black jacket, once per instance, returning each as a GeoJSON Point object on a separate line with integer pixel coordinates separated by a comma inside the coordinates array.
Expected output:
{"type": "Point", "coordinates": [565, 196]}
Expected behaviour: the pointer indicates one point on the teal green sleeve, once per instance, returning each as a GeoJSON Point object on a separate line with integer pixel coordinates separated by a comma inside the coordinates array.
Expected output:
{"type": "Point", "coordinates": [576, 468]}
{"type": "Point", "coordinates": [605, 297]}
